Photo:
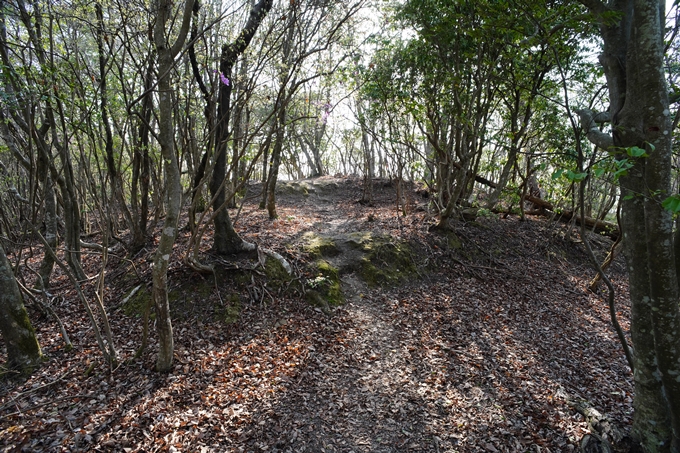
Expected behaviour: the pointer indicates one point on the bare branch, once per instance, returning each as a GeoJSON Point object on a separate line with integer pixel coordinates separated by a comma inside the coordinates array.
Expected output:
{"type": "Point", "coordinates": [589, 123]}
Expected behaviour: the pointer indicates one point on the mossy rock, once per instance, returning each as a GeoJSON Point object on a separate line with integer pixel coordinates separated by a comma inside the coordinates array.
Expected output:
{"type": "Point", "coordinates": [319, 246]}
{"type": "Point", "coordinates": [362, 240]}
{"type": "Point", "coordinates": [188, 300]}
{"type": "Point", "coordinates": [325, 289]}
{"type": "Point", "coordinates": [277, 276]}
{"type": "Point", "coordinates": [385, 261]}
{"type": "Point", "coordinates": [469, 213]}
{"type": "Point", "coordinates": [293, 188]}
{"type": "Point", "coordinates": [325, 185]}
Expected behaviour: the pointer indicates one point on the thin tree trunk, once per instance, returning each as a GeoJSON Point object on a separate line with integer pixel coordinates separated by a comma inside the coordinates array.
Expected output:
{"type": "Point", "coordinates": [276, 162]}
{"type": "Point", "coordinates": [50, 219]}
{"type": "Point", "coordinates": [159, 292]}
{"type": "Point", "coordinates": [140, 167]}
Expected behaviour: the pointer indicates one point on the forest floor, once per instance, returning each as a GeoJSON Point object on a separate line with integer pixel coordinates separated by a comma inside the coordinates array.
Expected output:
{"type": "Point", "coordinates": [478, 348]}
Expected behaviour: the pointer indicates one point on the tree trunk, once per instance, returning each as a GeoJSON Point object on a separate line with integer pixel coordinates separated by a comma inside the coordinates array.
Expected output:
{"type": "Point", "coordinates": [226, 240]}
{"type": "Point", "coordinates": [633, 63]}
{"type": "Point", "coordinates": [369, 158]}
{"type": "Point", "coordinates": [50, 220]}
{"type": "Point", "coordinates": [276, 162]}
{"type": "Point", "coordinates": [117, 203]}
{"type": "Point", "coordinates": [159, 293]}
{"type": "Point", "coordinates": [504, 178]}
{"type": "Point", "coordinates": [23, 350]}
{"type": "Point", "coordinates": [140, 167]}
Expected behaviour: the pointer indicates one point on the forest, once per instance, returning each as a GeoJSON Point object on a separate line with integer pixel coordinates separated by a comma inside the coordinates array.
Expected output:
{"type": "Point", "coordinates": [339, 226]}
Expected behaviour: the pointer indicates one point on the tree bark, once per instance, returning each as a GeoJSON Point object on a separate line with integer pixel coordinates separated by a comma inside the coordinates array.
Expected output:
{"type": "Point", "coordinates": [47, 265]}
{"type": "Point", "coordinates": [166, 56]}
{"type": "Point", "coordinates": [276, 161]}
{"type": "Point", "coordinates": [23, 350]}
{"type": "Point", "coordinates": [117, 196]}
{"type": "Point", "coordinates": [226, 240]}
{"type": "Point", "coordinates": [632, 59]}
{"type": "Point", "coordinates": [141, 163]}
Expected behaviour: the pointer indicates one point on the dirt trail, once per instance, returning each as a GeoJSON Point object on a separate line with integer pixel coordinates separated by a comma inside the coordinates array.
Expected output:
{"type": "Point", "coordinates": [475, 354]}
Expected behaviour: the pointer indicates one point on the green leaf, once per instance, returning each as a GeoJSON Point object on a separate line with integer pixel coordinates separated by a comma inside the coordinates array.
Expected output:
{"type": "Point", "coordinates": [557, 173]}
{"type": "Point", "coordinates": [598, 172]}
{"type": "Point", "coordinates": [573, 176]}
{"type": "Point", "coordinates": [620, 172]}
{"type": "Point", "coordinates": [634, 151]}
{"type": "Point", "coordinates": [622, 167]}
{"type": "Point", "coordinates": [630, 196]}
{"type": "Point", "coordinates": [672, 204]}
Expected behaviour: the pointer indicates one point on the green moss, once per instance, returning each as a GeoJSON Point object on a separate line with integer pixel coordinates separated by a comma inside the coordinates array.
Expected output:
{"type": "Point", "coordinates": [447, 238]}
{"type": "Point", "coordinates": [452, 240]}
{"type": "Point", "coordinates": [202, 289]}
{"type": "Point", "coordinates": [237, 277]}
{"type": "Point", "coordinates": [314, 298]}
{"type": "Point", "coordinates": [318, 246]}
{"type": "Point", "coordinates": [194, 299]}
{"type": "Point", "coordinates": [200, 204]}
{"type": "Point", "coordinates": [361, 241]}
{"type": "Point", "coordinates": [136, 304]}
{"type": "Point", "coordinates": [230, 312]}
{"type": "Point", "coordinates": [23, 350]}
{"type": "Point", "coordinates": [386, 261]}
{"type": "Point", "coordinates": [175, 295]}
{"type": "Point", "coordinates": [324, 290]}
{"type": "Point", "coordinates": [276, 274]}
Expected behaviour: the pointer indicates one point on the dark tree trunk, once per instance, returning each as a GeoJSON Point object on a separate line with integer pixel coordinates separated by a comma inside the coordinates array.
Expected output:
{"type": "Point", "coordinates": [276, 162]}
{"type": "Point", "coordinates": [50, 220]}
{"type": "Point", "coordinates": [226, 240]}
{"type": "Point", "coordinates": [141, 163]}
{"type": "Point", "coordinates": [23, 350]}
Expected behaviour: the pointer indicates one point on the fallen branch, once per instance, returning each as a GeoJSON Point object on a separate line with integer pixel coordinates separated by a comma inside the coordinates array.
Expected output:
{"type": "Point", "coordinates": [15, 399]}
{"type": "Point", "coordinates": [602, 430]}
{"type": "Point", "coordinates": [45, 306]}
{"type": "Point", "coordinates": [606, 228]}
